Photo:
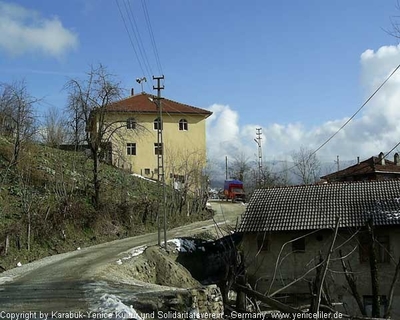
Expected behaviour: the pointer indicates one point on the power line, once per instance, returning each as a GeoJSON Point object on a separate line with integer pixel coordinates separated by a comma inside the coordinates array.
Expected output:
{"type": "Point", "coordinates": [351, 118]}
{"type": "Point", "coordinates": [153, 42]}
{"type": "Point", "coordinates": [138, 38]}
{"type": "Point", "coordinates": [130, 39]}
{"type": "Point", "coordinates": [363, 105]}
{"type": "Point", "coordinates": [391, 150]}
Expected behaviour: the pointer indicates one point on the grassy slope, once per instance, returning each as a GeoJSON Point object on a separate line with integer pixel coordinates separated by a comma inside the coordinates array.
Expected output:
{"type": "Point", "coordinates": [52, 190]}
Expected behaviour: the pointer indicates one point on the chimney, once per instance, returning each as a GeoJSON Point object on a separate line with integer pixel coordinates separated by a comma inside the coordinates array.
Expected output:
{"type": "Point", "coordinates": [396, 159]}
{"type": "Point", "coordinates": [358, 160]}
{"type": "Point", "coordinates": [132, 92]}
{"type": "Point", "coordinates": [381, 158]}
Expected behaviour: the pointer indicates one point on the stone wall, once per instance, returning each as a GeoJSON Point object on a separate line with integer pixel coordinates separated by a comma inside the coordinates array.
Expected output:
{"type": "Point", "coordinates": [208, 300]}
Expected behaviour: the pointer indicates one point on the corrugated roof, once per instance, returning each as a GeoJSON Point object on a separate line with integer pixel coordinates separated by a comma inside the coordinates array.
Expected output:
{"type": "Point", "coordinates": [310, 207]}
{"type": "Point", "coordinates": [141, 103]}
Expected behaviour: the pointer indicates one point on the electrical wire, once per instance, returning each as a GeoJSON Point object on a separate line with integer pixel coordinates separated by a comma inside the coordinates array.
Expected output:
{"type": "Point", "coordinates": [153, 41]}
{"type": "Point", "coordinates": [391, 150]}
{"type": "Point", "coordinates": [346, 123]}
{"type": "Point", "coordinates": [363, 105]}
{"type": "Point", "coordinates": [131, 41]}
{"type": "Point", "coordinates": [334, 134]}
{"type": "Point", "coordinates": [136, 33]}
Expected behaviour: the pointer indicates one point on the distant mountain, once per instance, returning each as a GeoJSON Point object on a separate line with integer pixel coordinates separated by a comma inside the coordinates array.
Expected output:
{"type": "Point", "coordinates": [217, 176]}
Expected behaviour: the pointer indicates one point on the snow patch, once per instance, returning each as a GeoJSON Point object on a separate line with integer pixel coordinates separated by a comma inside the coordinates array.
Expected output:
{"type": "Point", "coordinates": [183, 245]}
{"type": "Point", "coordinates": [137, 251]}
{"type": "Point", "coordinates": [134, 252]}
{"type": "Point", "coordinates": [112, 305]}
{"type": "Point", "coordinates": [141, 177]}
{"type": "Point", "coordinates": [5, 279]}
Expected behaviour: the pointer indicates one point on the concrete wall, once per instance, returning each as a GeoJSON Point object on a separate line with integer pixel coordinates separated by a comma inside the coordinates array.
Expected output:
{"type": "Point", "coordinates": [182, 149]}
{"type": "Point", "coordinates": [262, 265]}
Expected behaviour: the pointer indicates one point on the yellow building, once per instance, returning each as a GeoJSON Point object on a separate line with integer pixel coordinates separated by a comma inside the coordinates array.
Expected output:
{"type": "Point", "coordinates": [134, 137]}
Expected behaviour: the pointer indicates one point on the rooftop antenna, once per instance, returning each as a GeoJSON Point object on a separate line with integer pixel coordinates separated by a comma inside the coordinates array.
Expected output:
{"type": "Point", "coordinates": [140, 81]}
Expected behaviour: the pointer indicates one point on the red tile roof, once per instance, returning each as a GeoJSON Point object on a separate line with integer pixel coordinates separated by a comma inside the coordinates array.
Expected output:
{"type": "Point", "coordinates": [141, 103]}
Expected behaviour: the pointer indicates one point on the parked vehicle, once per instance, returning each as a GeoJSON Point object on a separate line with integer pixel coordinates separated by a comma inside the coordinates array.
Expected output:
{"type": "Point", "coordinates": [233, 190]}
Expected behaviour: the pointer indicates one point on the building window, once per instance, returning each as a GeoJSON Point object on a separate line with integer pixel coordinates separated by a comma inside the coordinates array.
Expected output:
{"type": "Point", "coordinates": [299, 245]}
{"type": "Point", "coordinates": [263, 242]}
{"type": "Point", "coordinates": [382, 247]}
{"type": "Point", "coordinates": [368, 304]}
{"type": "Point", "coordinates": [183, 125]}
{"type": "Point", "coordinates": [157, 124]}
{"type": "Point", "coordinates": [131, 149]}
{"type": "Point", "coordinates": [158, 149]}
{"type": "Point", "coordinates": [147, 171]}
{"type": "Point", "coordinates": [131, 123]}
{"type": "Point", "coordinates": [179, 178]}
{"type": "Point", "coordinates": [179, 181]}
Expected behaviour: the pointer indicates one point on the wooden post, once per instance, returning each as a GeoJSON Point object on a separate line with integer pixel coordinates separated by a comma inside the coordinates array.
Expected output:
{"type": "Point", "coordinates": [241, 296]}
{"type": "Point", "coordinates": [352, 284]}
{"type": "Point", "coordinates": [7, 245]}
{"type": "Point", "coordinates": [325, 269]}
{"type": "Point", "coordinates": [374, 271]}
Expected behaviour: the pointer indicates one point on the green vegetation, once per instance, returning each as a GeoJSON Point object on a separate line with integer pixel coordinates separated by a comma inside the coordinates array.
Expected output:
{"type": "Point", "coordinates": [46, 204]}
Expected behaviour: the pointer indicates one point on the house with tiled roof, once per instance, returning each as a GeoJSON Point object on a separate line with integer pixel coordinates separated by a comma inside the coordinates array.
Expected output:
{"type": "Point", "coordinates": [288, 230]}
{"type": "Point", "coordinates": [374, 168]}
{"type": "Point", "coordinates": [134, 145]}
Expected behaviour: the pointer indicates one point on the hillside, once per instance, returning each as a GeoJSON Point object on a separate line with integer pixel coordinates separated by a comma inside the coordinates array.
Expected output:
{"type": "Point", "coordinates": [46, 204]}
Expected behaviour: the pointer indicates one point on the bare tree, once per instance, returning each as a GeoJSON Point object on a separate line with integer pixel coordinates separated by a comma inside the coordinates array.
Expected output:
{"type": "Point", "coordinates": [307, 166]}
{"type": "Point", "coordinates": [190, 182]}
{"type": "Point", "coordinates": [395, 30]}
{"type": "Point", "coordinates": [76, 121]}
{"type": "Point", "coordinates": [321, 286]}
{"type": "Point", "coordinates": [18, 117]}
{"type": "Point", "coordinates": [88, 101]}
{"type": "Point", "coordinates": [240, 166]}
{"type": "Point", "coordinates": [54, 131]}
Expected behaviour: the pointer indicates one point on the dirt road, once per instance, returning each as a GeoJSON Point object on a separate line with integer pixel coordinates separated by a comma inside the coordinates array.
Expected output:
{"type": "Point", "coordinates": [66, 282]}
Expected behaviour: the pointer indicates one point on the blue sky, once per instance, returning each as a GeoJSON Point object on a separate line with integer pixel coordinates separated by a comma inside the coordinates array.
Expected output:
{"type": "Point", "coordinates": [295, 68]}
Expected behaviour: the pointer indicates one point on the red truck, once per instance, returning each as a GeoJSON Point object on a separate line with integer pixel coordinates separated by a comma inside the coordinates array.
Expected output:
{"type": "Point", "coordinates": [233, 189]}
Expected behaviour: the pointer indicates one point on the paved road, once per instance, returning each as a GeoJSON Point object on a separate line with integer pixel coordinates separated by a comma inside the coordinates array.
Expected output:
{"type": "Point", "coordinates": [64, 283]}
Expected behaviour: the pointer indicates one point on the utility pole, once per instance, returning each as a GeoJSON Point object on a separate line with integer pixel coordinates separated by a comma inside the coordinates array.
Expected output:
{"type": "Point", "coordinates": [337, 163]}
{"type": "Point", "coordinates": [226, 167]}
{"type": "Point", "coordinates": [258, 141]}
{"type": "Point", "coordinates": [160, 162]}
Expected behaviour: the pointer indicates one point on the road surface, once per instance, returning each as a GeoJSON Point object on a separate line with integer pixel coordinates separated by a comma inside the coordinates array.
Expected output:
{"type": "Point", "coordinates": [66, 282]}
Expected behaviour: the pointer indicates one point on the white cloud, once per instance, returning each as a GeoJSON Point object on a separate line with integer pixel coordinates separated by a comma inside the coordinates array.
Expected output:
{"type": "Point", "coordinates": [373, 130]}
{"type": "Point", "coordinates": [223, 131]}
{"type": "Point", "coordinates": [26, 31]}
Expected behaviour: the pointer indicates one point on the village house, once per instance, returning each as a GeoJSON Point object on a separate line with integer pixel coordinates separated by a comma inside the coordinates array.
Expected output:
{"type": "Point", "coordinates": [374, 168]}
{"type": "Point", "coordinates": [288, 230]}
{"type": "Point", "coordinates": [134, 146]}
